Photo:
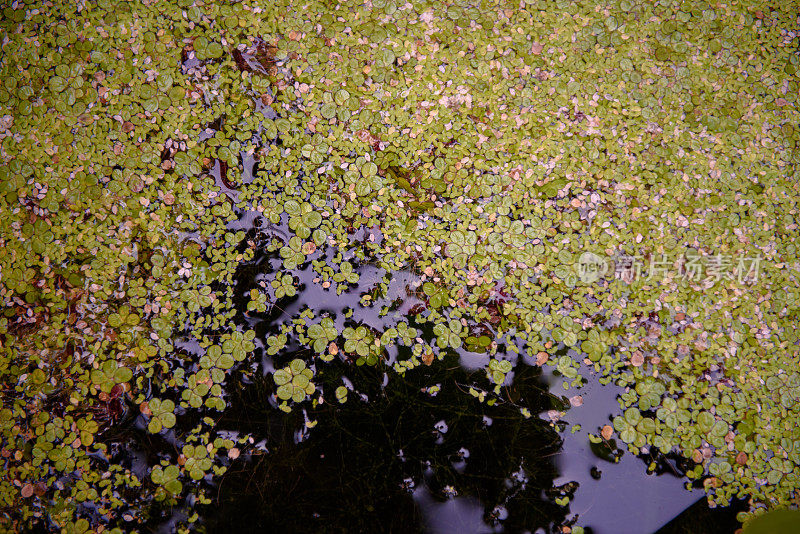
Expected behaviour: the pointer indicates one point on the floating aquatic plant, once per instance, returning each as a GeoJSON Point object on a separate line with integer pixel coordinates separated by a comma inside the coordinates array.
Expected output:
{"type": "Point", "coordinates": [485, 148]}
{"type": "Point", "coordinates": [294, 381]}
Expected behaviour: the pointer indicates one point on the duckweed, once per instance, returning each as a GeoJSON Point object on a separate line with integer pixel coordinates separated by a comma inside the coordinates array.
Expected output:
{"type": "Point", "coordinates": [484, 147]}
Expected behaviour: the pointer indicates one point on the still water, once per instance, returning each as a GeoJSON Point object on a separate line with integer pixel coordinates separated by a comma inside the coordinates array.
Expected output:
{"type": "Point", "coordinates": [418, 453]}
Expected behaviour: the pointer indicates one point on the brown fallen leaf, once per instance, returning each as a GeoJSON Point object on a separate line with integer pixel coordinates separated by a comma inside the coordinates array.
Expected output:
{"type": "Point", "coordinates": [541, 358]}
{"type": "Point", "coordinates": [427, 359]}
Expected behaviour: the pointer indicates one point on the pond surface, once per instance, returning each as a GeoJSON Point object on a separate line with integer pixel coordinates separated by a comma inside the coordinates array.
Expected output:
{"type": "Point", "coordinates": [418, 453]}
{"type": "Point", "coordinates": [512, 169]}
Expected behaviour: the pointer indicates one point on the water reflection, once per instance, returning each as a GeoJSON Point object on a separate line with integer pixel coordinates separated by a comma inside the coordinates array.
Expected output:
{"type": "Point", "coordinates": [459, 514]}
{"type": "Point", "coordinates": [615, 497]}
{"type": "Point", "coordinates": [403, 462]}
{"type": "Point", "coordinates": [400, 457]}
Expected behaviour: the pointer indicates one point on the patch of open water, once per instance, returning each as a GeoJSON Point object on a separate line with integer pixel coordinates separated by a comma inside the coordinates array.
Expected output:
{"type": "Point", "coordinates": [398, 458]}
{"type": "Point", "coordinates": [412, 453]}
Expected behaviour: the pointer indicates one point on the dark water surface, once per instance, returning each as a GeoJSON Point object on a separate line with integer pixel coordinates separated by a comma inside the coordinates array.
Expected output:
{"type": "Point", "coordinates": [414, 453]}
{"type": "Point", "coordinates": [397, 457]}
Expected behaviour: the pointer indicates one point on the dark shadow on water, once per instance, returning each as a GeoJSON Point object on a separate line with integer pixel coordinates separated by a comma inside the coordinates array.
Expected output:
{"type": "Point", "coordinates": [404, 461]}
{"type": "Point", "coordinates": [397, 458]}
{"type": "Point", "coordinates": [700, 519]}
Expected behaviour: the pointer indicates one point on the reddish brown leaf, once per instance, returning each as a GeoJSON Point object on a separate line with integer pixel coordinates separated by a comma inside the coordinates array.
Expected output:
{"type": "Point", "coordinates": [240, 60]}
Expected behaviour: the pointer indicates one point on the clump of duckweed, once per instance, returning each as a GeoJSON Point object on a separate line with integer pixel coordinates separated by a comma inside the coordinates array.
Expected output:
{"type": "Point", "coordinates": [486, 147]}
